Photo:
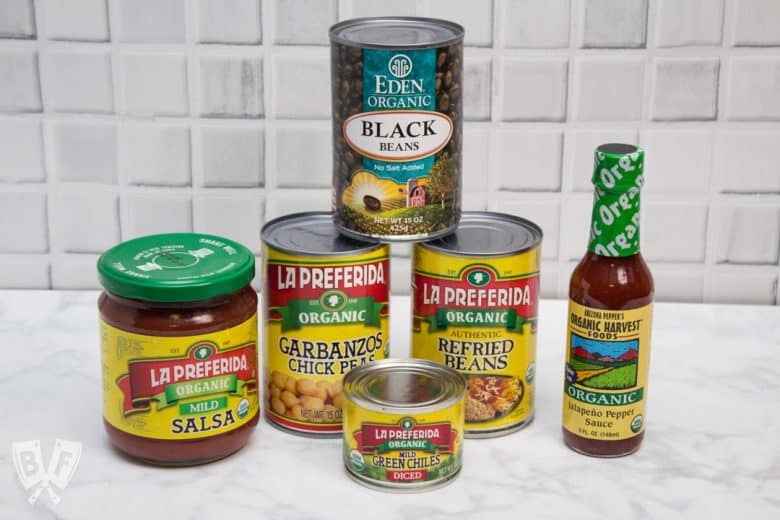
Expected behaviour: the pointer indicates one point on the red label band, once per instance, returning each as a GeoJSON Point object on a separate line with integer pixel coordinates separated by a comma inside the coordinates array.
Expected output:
{"type": "Point", "coordinates": [379, 436]}
{"type": "Point", "coordinates": [147, 379]}
{"type": "Point", "coordinates": [431, 294]}
{"type": "Point", "coordinates": [407, 476]}
{"type": "Point", "coordinates": [285, 282]}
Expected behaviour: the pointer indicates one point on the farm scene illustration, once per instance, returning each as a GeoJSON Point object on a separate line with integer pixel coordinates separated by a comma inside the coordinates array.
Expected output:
{"type": "Point", "coordinates": [604, 365]}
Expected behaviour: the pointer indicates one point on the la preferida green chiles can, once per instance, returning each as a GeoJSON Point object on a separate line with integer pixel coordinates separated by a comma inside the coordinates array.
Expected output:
{"type": "Point", "coordinates": [397, 126]}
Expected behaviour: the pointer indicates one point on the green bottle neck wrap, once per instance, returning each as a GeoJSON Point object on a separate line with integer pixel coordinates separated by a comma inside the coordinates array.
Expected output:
{"type": "Point", "coordinates": [617, 180]}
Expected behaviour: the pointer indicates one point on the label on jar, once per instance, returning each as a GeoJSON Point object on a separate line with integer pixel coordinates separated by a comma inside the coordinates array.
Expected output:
{"type": "Point", "coordinates": [399, 173]}
{"type": "Point", "coordinates": [184, 387]}
{"type": "Point", "coordinates": [479, 317]}
{"type": "Point", "coordinates": [323, 317]}
{"type": "Point", "coordinates": [395, 450]}
{"type": "Point", "coordinates": [607, 362]}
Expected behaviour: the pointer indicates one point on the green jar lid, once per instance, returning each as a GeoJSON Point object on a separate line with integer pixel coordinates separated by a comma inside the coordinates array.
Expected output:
{"type": "Point", "coordinates": [176, 267]}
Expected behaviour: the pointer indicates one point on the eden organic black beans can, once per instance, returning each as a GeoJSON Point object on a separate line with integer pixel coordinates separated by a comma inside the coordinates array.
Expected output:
{"type": "Point", "coordinates": [397, 126]}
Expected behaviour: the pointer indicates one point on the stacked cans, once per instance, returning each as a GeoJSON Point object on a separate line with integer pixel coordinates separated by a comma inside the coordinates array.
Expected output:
{"type": "Point", "coordinates": [397, 128]}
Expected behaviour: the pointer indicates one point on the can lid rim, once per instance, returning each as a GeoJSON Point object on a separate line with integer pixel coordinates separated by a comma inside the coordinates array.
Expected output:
{"type": "Point", "coordinates": [453, 385]}
{"type": "Point", "coordinates": [336, 31]}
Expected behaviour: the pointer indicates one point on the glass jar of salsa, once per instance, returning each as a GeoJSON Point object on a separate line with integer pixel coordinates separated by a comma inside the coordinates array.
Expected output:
{"type": "Point", "coordinates": [178, 325]}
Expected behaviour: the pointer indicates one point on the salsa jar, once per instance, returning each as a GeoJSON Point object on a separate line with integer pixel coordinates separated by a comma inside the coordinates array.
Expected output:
{"type": "Point", "coordinates": [178, 330]}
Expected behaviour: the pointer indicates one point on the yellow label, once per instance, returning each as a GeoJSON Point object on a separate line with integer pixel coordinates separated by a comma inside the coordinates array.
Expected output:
{"type": "Point", "coordinates": [402, 449]}
{"type": "Point", "coordinates": [323, 317]}
{"type": "Point", "coordinates": [479, 317]}
{"type": "Point", "coordinates": [607, 358]}
{"type": "Point", "coordinates": [185, 387]}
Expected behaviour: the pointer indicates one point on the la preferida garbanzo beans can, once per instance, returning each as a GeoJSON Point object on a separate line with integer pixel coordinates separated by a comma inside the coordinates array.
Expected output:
{"type": "Point", "coordinates": [325, 312]}
{"type": "Point", "coordinates": [397, 91]}
{"type": "Point", "coordinates": [475, 302]}
{"type": "Point", "coordinates": [403, 424]}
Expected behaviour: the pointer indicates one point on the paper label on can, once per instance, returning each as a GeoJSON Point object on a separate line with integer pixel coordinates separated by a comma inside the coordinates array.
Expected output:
{"type": "Point", "coordinates": [402, 173]}
{"type": "Point", "coordinates": [480, 317]}
{"type": "Point", "coordinates": [184, 387]}
{"type": "Point", "coordinates": [403, 450]}
{"type": "Point", "coordinates": [607, 358]}
{"type": "Point", "coordinates": [323, 317]}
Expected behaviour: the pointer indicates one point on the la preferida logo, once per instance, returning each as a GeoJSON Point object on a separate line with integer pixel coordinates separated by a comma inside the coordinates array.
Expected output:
{"type": "Point", "coordinates": [38, 478]}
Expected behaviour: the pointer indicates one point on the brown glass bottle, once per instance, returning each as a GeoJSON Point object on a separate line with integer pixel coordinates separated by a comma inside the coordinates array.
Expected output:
{"type": "Point", "coordinates": [611, 278]}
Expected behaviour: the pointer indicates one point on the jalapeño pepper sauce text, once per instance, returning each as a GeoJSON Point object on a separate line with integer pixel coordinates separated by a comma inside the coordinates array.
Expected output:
{"type": "Point", "coordinates": [609, 318]}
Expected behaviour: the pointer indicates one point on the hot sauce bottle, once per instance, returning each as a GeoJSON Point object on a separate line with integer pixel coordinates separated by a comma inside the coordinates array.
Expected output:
{"type": "Point", "coordinates": [609, 317]}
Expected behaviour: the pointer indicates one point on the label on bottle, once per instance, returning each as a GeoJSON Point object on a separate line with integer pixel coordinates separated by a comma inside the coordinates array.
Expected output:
{"type": "Point", "coordinates": [614, 228]}
{"type": "Point", "coordinates": [607, 361]}
{"type": "Point", "coordinates": [185, 387]}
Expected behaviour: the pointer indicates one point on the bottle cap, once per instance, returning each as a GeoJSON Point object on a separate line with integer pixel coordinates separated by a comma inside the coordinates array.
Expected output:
{"type": "Point", "coordinates": [618, 167]}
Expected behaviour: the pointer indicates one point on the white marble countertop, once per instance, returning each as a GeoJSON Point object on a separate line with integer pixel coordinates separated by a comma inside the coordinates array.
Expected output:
{"type": "Point", "coordinates": [712, 448]}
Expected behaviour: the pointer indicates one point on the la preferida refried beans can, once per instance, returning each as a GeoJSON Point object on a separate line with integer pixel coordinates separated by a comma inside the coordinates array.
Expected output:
{"type": "Point", "coordinates": [403, 424]}
{"type": "Point", "coordinates": [325, 312]}
{"type": "Point", "coordinates": [475, 303]}
{"type": "Point", "coordinates": [397, 119]}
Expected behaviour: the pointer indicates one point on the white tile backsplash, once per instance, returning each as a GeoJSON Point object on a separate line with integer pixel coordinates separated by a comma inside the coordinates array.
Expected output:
{"type": "Point", "coordinates": [689, 22]}
{"type": "Point", "coordinates": [756, 22]}
{"type": "Point", "coordinates": [152, 21]}
{"type": "Point", "coordinates": [673, 231]}
{"type": "Point", "coordinates": [155, 85]}
{"type": "Point", "coordinates": [477, 88]}
{"type": "Point", "coordinates": [83, 151]}
{"type": "Point", "coordinates": [147, 214]}
{"type": "Point", "coordinates": [75, 210]}
{"type": "Point", "coordinates": [614, 23]}
{"type": "Point", "coordinates": [748, 234]}
{"type": "Point", "coordinates": [20, 89]}
{"type": "Point", "coordinates": [534, 90]}
{"type": "Point", "coordinates": [309, 96]}
{"type": "Point", "coordinates": [685, 89]}
{"type": "Point", "coordinates": [303, 22]}
{"type": "Point", "coordinates": [232, 157]}
{"type": "Point", "coordinates": [21, 151]}
{"type": "Point", "coordinates": [218, 214]}
{"type": "Point", "coordinates": [76, 20]}
{"type": "Point", "coordinates": [229, 21]}
{"type": "Point", "coordinates": [753, 86]}
{"type": "Point", "coordinates": [17, 19]}
{"type": "Point", "coordinates": [746, 161]}
{"type": "Point", "coordinates": [153, 154]}
{"type": "Point", "coordinates": [231, 86]}
{"type": "Point", "coordinates": [24, 272]}
{"type": "Point", "coordinates": [23, 223]}
{"type": "Point", "coordinates": [677, 161]}
{"type": "Point", "coordinates": [527, 160]}
{"type": "Point", "coordinates": [608, 89]}
{"type": "Point", "coordinates": [293, 167]}
{"type": "Point", "coordinates": [533, 24]}
{"type": "Point", "coordinates": [77, 81]}
{"type": "Point", "coordinates": [125, 117]}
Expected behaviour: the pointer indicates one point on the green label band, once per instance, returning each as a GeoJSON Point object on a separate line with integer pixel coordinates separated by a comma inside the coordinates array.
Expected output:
{"type": "Point", "coordinates": [508, 318]}
{"type": "Point", "coordinates": [229, 384]}
{"type": "Point", "coordinates": [298, 313]}
{"type": "Point", "coordinates": [423, 445]}
{"type": "Point", "coordinates": [603, 398]}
